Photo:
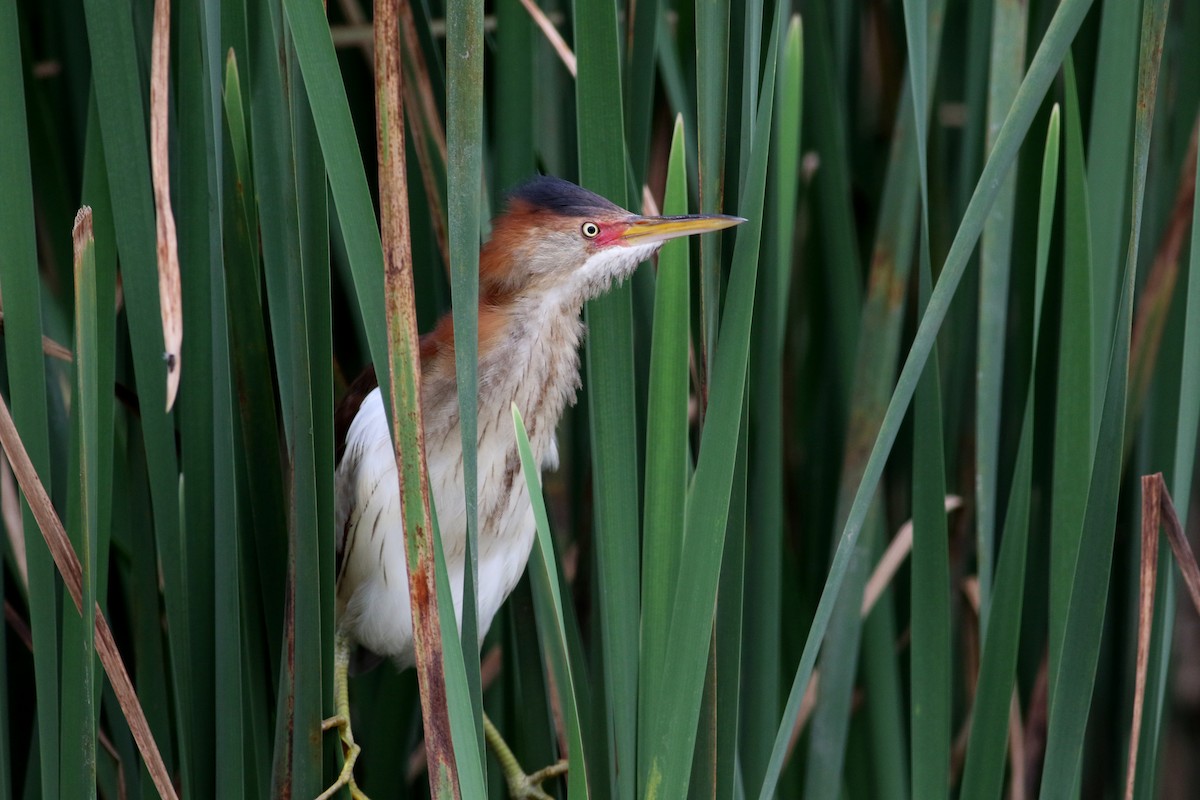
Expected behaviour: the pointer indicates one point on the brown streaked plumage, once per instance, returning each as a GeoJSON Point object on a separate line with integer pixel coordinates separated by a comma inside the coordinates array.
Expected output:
{"type": "Point", "coordinates": [555, 247]}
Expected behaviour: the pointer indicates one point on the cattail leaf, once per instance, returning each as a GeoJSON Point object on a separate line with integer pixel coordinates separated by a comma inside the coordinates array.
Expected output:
{"type": "Point", "coordinates": [1041, 71]}
{"type": "Point", "coordinates": [548, 603]}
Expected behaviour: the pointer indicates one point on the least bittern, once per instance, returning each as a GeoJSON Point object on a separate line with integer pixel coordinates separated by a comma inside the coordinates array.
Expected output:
{"type": "Point", "coordinates": [556, 246]}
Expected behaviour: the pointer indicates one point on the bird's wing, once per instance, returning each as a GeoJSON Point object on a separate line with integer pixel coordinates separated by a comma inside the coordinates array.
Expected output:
{"type": "Point", "coordinates": [346, 411]}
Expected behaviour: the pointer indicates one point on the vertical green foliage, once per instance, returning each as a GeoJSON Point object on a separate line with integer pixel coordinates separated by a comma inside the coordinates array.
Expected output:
{"type": "Point", "coordinates": [548, 603]}
{"type": "Point", "coordinates": [712, 79]}
{"type": "Point", "coordinates": [122, 119]}
{"type": "Point", "coordinates": [930, 715]}
{"type": "Point", "coordinates": [232, 759]}
{"type": "Point", "coordinates": [1072, 682]}
{"type": "Point", "coordinates": [277, 181]}
{"type": "Point", "coordinates": [983, 775]}
{"type": "Point", "coordinates": [22, 344]}
{"type": "Point", "coordinates": [80, 713]}
{"type": "Point", "coordinates": [677, 690]}
{"type": "Point", "coordinates": [841, 262]}
{"type": "Point", "coordinates": [1008, 60]}
{"type": "Point", "coordinates": [196, 203]}
{"type": "Point", "coordinates": [640, 53]}
{"type": "Point", "coordinates": [667, 456]}
{"type": "Point", "coordinates": [514, 69]}
{"type": "Point", "coordinates": [610, 382]}
{"type": "Point", "coordinates": [464, 141]}
{"type": "Point", "coordinates": [654, 641]}
{"type": "Point", "coordinates": [1108, 175]}
{"type": "Point", "coordinates": [343, 162]}
{"type": "Point", "coordinates": [1059, 34]}
{"type": "Point", "coordinates": [310, 447]}
{"type": "Point", "coordinates": [1074, 426]}
{"type": "Point", "coordinates": [878, 345]}
{"type": "Point", "coordinates": [726, 664]}
{"type": "Point", "coordinates": [263, 555]}
{"type": "Point", "coordinates": [763, 626]}
{"type": "Point", "coordinates": [1183, 470]}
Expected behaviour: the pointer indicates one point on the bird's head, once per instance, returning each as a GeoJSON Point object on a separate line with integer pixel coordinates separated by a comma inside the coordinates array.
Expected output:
{"type": "Point", "coordinates": [563, 243]}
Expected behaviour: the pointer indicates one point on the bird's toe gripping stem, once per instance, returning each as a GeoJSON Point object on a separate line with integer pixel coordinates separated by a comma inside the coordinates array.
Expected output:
{"type": "Point", "coordinates": [341, 721]}
{"type": "Point", "coordinates": [529, 787]}
{"type": "Point", "coordinates": [520, 785]}
{"type": "Point", "coordinates": [350, 752]}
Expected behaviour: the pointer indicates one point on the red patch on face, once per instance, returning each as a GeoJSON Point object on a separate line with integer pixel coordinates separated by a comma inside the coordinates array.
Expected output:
{"type": "Point", "coordinates": [610, 233]}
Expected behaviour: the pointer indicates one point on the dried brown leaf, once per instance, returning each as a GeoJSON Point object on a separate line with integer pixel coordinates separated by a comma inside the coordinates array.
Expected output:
{"type": "Point", "coordinates": [1152, 496]}
{"type": "Point", "coordinates": [552, 36]}
{"type": "Point", "coordinates": [170, 300]}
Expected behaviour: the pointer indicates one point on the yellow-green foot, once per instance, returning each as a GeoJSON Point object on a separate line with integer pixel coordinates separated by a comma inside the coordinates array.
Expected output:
{"type": "Point", "coordinates": [341, 721]}
{"type": "Point", "coordinates": [520, 785]}
{"type": "Point", "coordinates": [350, 752]}
{"type": "Point", "coordinates": [529, 787]}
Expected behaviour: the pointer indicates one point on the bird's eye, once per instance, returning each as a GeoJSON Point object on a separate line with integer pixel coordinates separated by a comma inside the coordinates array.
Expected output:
{"type": "Point", "coordinates": [590, 230]}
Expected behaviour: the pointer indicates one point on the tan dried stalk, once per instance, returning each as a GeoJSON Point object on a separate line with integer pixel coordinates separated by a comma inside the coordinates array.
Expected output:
{"type": "Point", "coordinates": [169, 293]}
{"type": "Point", "coordinates": [1158, 510]}
{"type": "Point", "coordinates": [404, 372]}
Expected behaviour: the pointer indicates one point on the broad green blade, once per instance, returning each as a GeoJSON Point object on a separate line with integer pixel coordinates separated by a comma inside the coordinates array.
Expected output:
{"type": "Point", "coordinates": [548, 602]}
{"type": "Point", "coordinates": [197, 212]}
{"type": "Point", "coordinates": [874, 370]}
{"type": "Point", "coordinates": [1110, 136]}
{"type": "Point", "coordinates": [931, 605]}
{"type": "Point", "coordinates": [1074, 427]}
{"type": "Point", "coordinates": [610, 385]}
{"type": "Point", "coordinates": [232, 747]}
{"type": "Point", "coordinates": [712, 79]}
{"type": "Point", "coordinates": [1072, 682]}
{"type": "Point", "coordinates": [983, 775]}
{"type": "Point", "coordinates": [464, 140]}
{"type": "Point", "coordinates": [25, 369]}
{"type": "Point", "coordinates": [312, 476]}
{"type": "Point", "coordinates": [667, 451]}
{"type": "Point", "coordinates": [728, 633]}
{"type": "Point", "coordinates": [296, 765]}
{"type": "Point", "coordinates": [679, 690]}
{"type": "Point", "coordinates": [343, 162]}
{"type": "Point", "coordinates": [764, 609]}
{"type": "Point", "coordinates": [119, 100]}
{"type": "Point", "coordinates": [1009, 25]}
{"type": "Point", "coordinates": [80, 715]}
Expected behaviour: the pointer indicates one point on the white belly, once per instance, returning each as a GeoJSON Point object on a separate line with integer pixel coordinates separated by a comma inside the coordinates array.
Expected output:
{"type": "Point", "coordinates": [372, 592]}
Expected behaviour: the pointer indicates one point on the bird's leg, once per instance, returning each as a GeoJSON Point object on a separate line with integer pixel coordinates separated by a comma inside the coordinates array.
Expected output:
{"type": "Point", "coordinates": [520, 785]}
{"type": "Point", "coordinates": [341, 721]}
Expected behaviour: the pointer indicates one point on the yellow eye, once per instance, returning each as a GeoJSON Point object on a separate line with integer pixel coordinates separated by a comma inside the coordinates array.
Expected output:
{"type": "Point", "coordinates": [590, 230]}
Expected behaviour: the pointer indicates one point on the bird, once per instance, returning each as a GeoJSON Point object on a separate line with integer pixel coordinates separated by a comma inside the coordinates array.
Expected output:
{"type": "Point", "coordinates": [555, 246]}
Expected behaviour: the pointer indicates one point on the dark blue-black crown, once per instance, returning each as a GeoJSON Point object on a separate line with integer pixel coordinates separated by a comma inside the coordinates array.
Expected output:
{"type": "Point", "coordinates": [560, 197]}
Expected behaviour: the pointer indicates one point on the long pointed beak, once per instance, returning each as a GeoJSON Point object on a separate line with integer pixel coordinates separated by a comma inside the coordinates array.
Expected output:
{"type": "Point", "coordinates": [648, 230]}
